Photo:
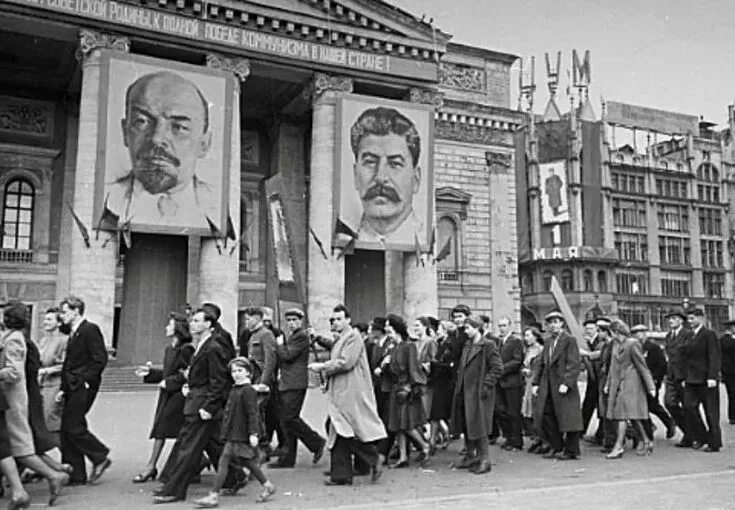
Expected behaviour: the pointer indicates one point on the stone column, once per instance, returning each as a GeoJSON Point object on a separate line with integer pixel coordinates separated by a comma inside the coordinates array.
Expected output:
{"type": "Point", "coordinates": [420, 290]}
{"type": "Point", "coordinates": [92, 269]}
{"type": "Point", "coordinates": [219, 268]}
{"type": "Point", "coordinates": [325, 281]}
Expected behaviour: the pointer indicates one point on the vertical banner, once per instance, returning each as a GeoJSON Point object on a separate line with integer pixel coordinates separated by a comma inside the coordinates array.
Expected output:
{"type": "Point", "coordinates": [554, 192]}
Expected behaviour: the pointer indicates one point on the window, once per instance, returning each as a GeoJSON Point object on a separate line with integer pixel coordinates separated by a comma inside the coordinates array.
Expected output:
{"type": "Point", "coordinates": [18, 215]}
{"type": "Point", "coordinates": [567, 280]}
{"type": "Point", "coordinates": [710, 221]}
{"type": "Point", "coordinates": [712, 253]}
{"type": "Point", "coordinates": [587, 280]}
{"type": "Point", "coordinates": [632, 314]}
{"type": "Point", "coordinates": [714, 285]}
{"type": "Point", "coordinates": [629, 213]}
{"type": "Point", "coordinates": [674, 250]}
{"type": "Point", "coordinates": [447, 246]}
{"type": "Point", "coordinates": [252, 258]}
{"type": "Point", "coordinates": [631, 246]}
{"type": "Point", "coordinates": [716, 316]}
{"type": "Point", "coordinates": [708, 189]}
{"type": "Point", "coordinates": [628, 183]}
{"type": "Point", "coordinates": [602, 281]}
{"type": "Point", "coordinates": [673, 217]}
{"type": "Point", "coordinates": [632, 282]}
{"type": "Point", "coordinates": [547, 280]}
{"type": "Point", "coordinates": [672, 188]}
{"type": "Point", "coordinates": [675, 284]}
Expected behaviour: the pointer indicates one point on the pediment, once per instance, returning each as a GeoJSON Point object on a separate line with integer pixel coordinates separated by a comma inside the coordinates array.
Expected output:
{"type": "Point", "coordinates": [364, 24]}
{"type": "Point", "coordinates": [450, 194]}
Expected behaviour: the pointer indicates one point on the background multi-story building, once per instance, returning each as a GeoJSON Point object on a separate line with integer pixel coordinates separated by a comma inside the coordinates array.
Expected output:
{"type": "Point", "coordinates": [646, 224]}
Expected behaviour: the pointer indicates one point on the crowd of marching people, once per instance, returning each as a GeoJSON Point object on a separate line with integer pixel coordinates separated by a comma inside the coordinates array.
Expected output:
{"type": "Point", "coordinates": [397, 391]}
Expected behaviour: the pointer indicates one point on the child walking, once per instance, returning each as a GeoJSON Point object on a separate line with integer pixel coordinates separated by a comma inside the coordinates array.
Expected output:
{"type": "Point", "coordinates": [240, 431]}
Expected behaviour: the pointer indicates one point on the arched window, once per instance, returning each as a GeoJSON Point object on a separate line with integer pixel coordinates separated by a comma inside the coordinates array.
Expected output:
{"type": "Point", "coordinates": [447, 247]}
{"type": "Point", "coordinates": [547, 280]}
{"type": "Point", "coordinates": [567, 280]}
{"type": "Point", "coordinates": [601, 281]}
{"type": "Point", "coordinates": [18, 215]}
{"type": "Point", "coordinates": [587, 280]}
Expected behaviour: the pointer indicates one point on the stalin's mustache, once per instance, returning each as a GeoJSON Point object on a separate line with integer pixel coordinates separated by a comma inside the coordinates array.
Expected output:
{"type": "Point", "coordinates": [381, 190]}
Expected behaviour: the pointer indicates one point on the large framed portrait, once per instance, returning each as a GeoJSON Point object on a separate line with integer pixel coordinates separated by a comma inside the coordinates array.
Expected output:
{"type": "Point", "coordinates": [163, 156]}
{"type": "Point", "coordinates": [384, 179]}
{"type": "Point", "coordinates": [554, 192]}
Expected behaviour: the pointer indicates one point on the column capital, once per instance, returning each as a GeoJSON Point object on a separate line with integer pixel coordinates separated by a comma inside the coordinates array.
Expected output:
{"type": "Point", "coordinates": [426, 96]}
{"type": "Point", "coordinates": [240, 67]}
{"type": "Point", "coordinates": [322, 83]}
{"type": "Point", "coordinates": [90, 40]}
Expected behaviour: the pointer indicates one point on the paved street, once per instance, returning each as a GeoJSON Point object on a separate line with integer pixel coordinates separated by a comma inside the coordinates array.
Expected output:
{"type": "Point", "coordinates": [671, 478]}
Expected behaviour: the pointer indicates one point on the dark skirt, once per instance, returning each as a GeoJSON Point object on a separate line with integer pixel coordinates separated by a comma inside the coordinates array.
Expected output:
{"type": "Point", "coordinates": [405, 415]}
{"type": "Point", "coordinates": [169, 415]}
{"type": "Point", "coordinates": [441, 403]}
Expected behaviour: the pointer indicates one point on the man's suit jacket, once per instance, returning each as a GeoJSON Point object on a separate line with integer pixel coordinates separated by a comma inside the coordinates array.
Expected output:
{"type": "Point", "coordinates": [676, 346]}
{"type": "Point", "coordinates": [207, 380]}
{"type": "Point", "coordinates": [293, 358]}
{"type": "Point", "coordinates": [703, 357]}
{"type": "Point", "coordinates": [86, 358]}
{"type": "Point", "coordinates": [511, 352]}
{"type": "Point", "coordinates": [382, 383]}
{"type": "Point", "coordinates": [262, 352]}
{"type": "Point", "coordinates": [727, 346]}
{"type": "Point", "coordinates": [655, 360]}
{"type": "Point", "coordinates": [225, 339]}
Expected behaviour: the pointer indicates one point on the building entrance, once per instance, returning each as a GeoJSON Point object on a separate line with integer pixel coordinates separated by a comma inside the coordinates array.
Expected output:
{"type": "Point", "coordinates": [365, 285]}
{"type": "Point", "coordinates": [154, 285]}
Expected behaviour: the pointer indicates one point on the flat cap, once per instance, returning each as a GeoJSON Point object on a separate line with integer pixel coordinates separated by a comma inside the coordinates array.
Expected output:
{"type": "Point", "coordinates": [638, 328]}
{"type": "Point", "coordinates": [554, 314]}
{"type": "Point", "coordinates": [294, 312]}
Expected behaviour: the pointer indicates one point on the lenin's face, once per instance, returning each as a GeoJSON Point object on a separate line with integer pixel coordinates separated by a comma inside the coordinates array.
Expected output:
{"type": "Point", "coordinates": [386, 180]}
{"type": "Point", "coordinates": [164, 131]}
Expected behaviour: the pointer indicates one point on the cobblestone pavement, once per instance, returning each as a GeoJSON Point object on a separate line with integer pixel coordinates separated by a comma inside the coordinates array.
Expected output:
{"type": "Point", "coordinates": [671, 478]}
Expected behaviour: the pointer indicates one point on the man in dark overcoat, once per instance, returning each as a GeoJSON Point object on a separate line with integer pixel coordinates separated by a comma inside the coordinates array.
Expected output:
{"type": "Point", "coordinates": [510, 386]}
{"type": "Point", "coordinates": [677, 339]}
{"type": "Point", "coordinates": [555, 383]}
{"type": "Point", "coordinates": [473, 404]}
{"type": "Point", "coordinates": [591, 362]}
{"type": "Point", "coordinates": [207, 388]}
{"type": "Point", "coordinates": [727, 346]}
{"type": "Point", "coordinates": [293, 380]}
{"type": "Point", "coordinates": [702, 388]}
{"type": "Point", "coordinates": [81, 376]}
{"type": "Point", "coordinates": [383, 345]}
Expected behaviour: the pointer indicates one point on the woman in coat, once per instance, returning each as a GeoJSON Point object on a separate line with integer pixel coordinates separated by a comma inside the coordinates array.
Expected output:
{"type": "Point", "coordinates": [628, 381]}
{"type": "Point", "coordinates": [479, 368]}
{"type": "Point", "coordinates": [441, 378]}
{"type": "Point", "coordinates": [52, 349]}
{"type": "Point", "coordinates": [558, 413]}
{"type": "Point", "coordinates": [405, 409]}
{"type": "Point", "coordinates": [169, 417]}
{"type": "Point", "coordinates": [424, 329]}
{"type": "Point", "coordinates": [13, 352]}
{"type": "Point", "coordinates": [534, 342]}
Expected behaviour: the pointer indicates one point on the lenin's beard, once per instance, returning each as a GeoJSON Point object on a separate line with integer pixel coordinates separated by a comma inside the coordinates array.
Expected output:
{"type": "Point", "coordinates": [156, 168]}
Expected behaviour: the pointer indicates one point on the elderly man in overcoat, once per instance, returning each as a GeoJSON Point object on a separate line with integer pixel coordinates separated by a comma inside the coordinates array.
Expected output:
{"type": "Point", "coordinates": [479, 369]}
{"type": "Point", "coordinates": [354, 424]}
{"type": "Point", "coordinates": [555, 383]}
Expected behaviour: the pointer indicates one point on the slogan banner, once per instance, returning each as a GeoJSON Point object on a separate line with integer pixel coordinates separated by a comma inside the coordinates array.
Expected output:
{"type": "Point", "coordinates": [641, 117]}
{"type": "Point", "coordinates": [236, 37]}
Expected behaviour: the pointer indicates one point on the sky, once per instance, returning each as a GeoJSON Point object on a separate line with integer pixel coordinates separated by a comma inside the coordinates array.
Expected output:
{"type": "Point", "coordinates": [676, 55]}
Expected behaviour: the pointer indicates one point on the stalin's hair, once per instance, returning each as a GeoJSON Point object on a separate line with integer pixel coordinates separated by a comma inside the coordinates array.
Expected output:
{"type": "Point", "coordinates": [383, 121]}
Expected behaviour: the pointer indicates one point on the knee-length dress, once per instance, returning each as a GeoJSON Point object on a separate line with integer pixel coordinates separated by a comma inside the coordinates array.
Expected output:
{"type": "Point", "coordinates": [169, 416]}
{"type": "Point", "coordinates": [441, 379]}
{"type": "Point", "coordinates": [13, 382]}
{"type": "Point", "coordinates": [405, 409]}
{"type": "Point", "coordinates": [43, 440]}
{"type": "Point", "coordinates": [52, 349]}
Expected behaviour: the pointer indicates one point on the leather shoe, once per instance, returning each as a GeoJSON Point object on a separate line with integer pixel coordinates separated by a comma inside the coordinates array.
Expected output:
{"type": "Point", "coordinates": [483, 467]}
{"type": "Point", "coordinates": [670, 430]}
{"type": "Point", "coordinates": [542, 449]}
{"type": "Point", "coordinates": [158, 500]}
{"type": "Point", "coordinates": [697, 445]}
{"type": "Point", "coordinates": [279, 465]}
{"type": "Point", "coordinates": [331, 483]}
{"type": "Point", "coordinates": [684, 444]}
{"type": "Point", "coordinates": [710, 449]}
{"type": "Point", "coordinates": [99, 469]}
{"type": "Point", "coordinates": [551, 454]}
{"type": "Point", "coordinates": [466, 463]}
{"type": "Point", "coordinates": [567, 456]}
{"type": "Point", "coordinates": [318, 454]}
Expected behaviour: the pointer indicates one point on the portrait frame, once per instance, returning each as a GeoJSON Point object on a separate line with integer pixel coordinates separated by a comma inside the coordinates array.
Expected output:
{"type": "Point", "coordinates": [118, 71]}
{"type": "Point", "coordinates": [559, 168]}
{"type": "Point", "coordinates": [347, 202]}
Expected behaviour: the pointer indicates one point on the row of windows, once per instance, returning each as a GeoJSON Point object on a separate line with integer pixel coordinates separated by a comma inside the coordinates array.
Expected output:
{"type": "Point", "coordinates": [629, 213]}
{"type": "Point", "coordinates": [632, 247]}
{"type": "Point", "coordinates": [632, 282]}
{"type": "Point", "coordinates": [714, 285]}
{"type": "Point", "coordinates": [707, 171]}
{"type": "Point", "coordinates": [674, 250]}
{"type": "Point", "coordinates": [710, 221]}
{"type": "Point", "coordinates": [567, 281]}
{"type": "Point", "coordinates": [712, 253]}
{"type": "Point", "coordinates": [675, 288]}
{"type": "Point", "coordinates": [708, 193]}
{"type": "Point", "coordinates": [672, 188]}
{"type": "Point", "coordinates": [628, 183]}
{"type": "Point", "coordinates": [673, 217]}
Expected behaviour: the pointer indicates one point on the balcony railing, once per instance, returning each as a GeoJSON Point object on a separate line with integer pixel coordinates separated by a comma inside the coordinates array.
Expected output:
{"type": "Point", "coordinates": [16, 256]}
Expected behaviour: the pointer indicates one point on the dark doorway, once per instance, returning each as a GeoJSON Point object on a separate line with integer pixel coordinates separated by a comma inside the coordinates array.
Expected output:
{"type": "Point", "coordinates": [154, 285]}
{"type": "Point", "coordinates": [365, 285]}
